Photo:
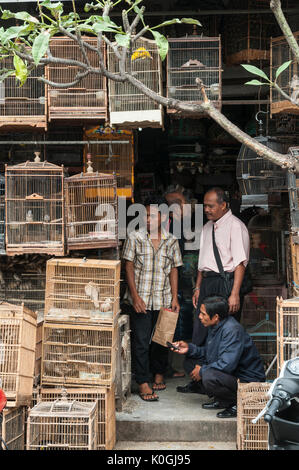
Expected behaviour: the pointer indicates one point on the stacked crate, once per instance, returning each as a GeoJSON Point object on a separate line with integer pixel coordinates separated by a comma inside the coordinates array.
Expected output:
{"type": "Point", "coordinates": [80, 335]}
{"type": "Point", "coordinates": [287, 323]}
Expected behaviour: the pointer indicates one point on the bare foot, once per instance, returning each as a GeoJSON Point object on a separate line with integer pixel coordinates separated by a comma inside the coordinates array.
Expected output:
{"type": "Point", "coordinates": [159, 383]}
{"type": "Point", "coordinates": [146, 393]}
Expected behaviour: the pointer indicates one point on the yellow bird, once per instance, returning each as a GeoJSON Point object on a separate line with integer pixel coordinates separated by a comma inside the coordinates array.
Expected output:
{"type": "Point", "coordinates": [140, 53]}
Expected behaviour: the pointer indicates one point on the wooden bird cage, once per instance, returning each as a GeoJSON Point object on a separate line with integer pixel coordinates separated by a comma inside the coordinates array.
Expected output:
{"type": "Point", "coordinates": [17, 352]}
{"type": "Point", "coordinates": [22, 105]}
{"type": "Point", "coordinates": [38, 351]}
{"type": "Point", "coordinates": [2, 215]}
{"type": "Point", "coordinates": [251, 399]}
{"type": "Point", "coordinates": [287, 330]}
{"type": "Point", "coordinates": [91, 210]}
{"type": "Point", "coordinates": [85, 100]}
{"type": "Point", "coordinates": [62, 425]}
{"type": "Point", "coordinates": [112, 153]}
{"type": "Point", "coordinates": [12, 430]}
{"type": "Point", "coordinates": [104, 397]}
{"type": "Point", "coordinates": [78, 355]}
{"type": "Point", "coordinates": [189, 58]}
{"type": "Point", "coordinates": [27, 288]}
{"type": "Point", "coordinates": [128, 106]}
{"type": "Point", "coordinates": [288, 80]}
{"type": "Point", "coordinates": [123, 368]}
{"type": "Point", "coordinates": [84, 291]}
{"type": "Point", "coordinates": [34, 207]}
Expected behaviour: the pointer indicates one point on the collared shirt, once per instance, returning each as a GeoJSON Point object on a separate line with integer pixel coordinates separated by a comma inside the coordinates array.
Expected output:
{"type": "Point", "coordinates": [152, 268]}
{"type": "Point", "coordinates": [232, 240]}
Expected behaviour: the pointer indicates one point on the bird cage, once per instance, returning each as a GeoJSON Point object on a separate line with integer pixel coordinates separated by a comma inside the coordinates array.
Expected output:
{"type": "Point", "coordinates": [189, 58]}
{"type": "Point", "coordinates": [104, 397]}
{"type": "Point", "coordinates": [85, 291]}
{"type": "Point", "coordinates": [251, 399]}
{"type": "Point", "coordinates": [38, 350]}
{"type": "Point", "coordinates": [27, 288]}
{"type": "Point", "coordinates": [2, 214]}
{"type": "Point", "coordinates": [287, 321]}
{"type": "Point", "coordinates": [12, 430]}
{"type": "Point", "coordinates": [34, 207]}
{"type": "Point", "coordinates": [287, 81]}
{"type": "Point", "coordinates": [91, 210]}
{"type": "Point", "coordinates": [22, 105]}
{"type": "Point", "coordinates": [264, 337]}
{"type": "Point", "coordinates": [128, 106]}
{"type": "Point", "coordinates": [247, 37]}
{"type": "Point", "coordinates": [259, 302]}
{"type": "Point", "coordinates": [124, 365]}
{"type": "Point", "coordinates": [17, 352]}
{"type": "Point", "coordinates": [62, 425]}
{"type": "Point", "coordinates": [88, 98]}
{"type": "Point", "coordinates": [112, 152]}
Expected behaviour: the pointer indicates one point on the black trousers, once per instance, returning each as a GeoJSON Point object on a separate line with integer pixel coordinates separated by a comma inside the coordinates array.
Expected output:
{"type": "Point", "coordinates": [215, 383]}
{"type": "Point", "coordinates": [148, 358]}
{"type": "Point", "coordinates": [213, 285]}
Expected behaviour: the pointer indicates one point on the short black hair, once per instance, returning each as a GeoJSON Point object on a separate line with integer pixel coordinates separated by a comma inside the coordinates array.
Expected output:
{"type": "Point", "coordinates": [216, 304]}
{"type": "Point", "coordinates": [158, 200]}
{"type": "Point", "coordinates": [222, 195]}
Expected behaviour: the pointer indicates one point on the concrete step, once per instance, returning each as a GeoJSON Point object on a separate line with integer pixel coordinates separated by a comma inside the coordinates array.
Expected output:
{"type": "Point", "coordinates": [176, 417]}
{"type": "Point", "coordinates": [134, 446]}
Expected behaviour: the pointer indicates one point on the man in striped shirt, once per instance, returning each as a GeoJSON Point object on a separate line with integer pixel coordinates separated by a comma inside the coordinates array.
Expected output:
{"type": "Point", "coordinates": [152, 256]}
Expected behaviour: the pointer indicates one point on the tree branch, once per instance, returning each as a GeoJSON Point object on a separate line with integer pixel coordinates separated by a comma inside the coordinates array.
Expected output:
{"type": "Point", "coordinates": [275, 6]}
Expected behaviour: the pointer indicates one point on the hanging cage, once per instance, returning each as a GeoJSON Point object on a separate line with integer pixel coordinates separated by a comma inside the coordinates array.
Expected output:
{"type": "Point", "coordinates": [189, 58]}
{"type": "Point", "coordinates": [287, 322]}
{"type": "Point", "coordinates": [84, 100]}
{"type": "Point", "coordinates": [34, 207]}
{"type": "Point", "coordinates": [128, 106]}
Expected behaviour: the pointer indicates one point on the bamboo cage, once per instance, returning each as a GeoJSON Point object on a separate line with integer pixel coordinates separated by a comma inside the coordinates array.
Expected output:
{"type": "Point", "coordinates": [62, 425]}
{"type": "Point", "coordinates": [85, 100]}
{"type": "Point", "coordinates": [22, 105]}
{"type": "Point", "coordinates": [287, 330]}
{"type": "Point", "coordinates": [78, 355]}
{"type": "Point", "coordinates": [34, 207]}
{"type": "Point", "coordinates": [113, 154]}
{"type": "Point", "coordinates": [190, 58]}
{"type": "Point", "coordinates": [2, 215]}
{"type": "Point", "coordinates": [288, 81]}
{"type": "Point", "coordinates": [252, 398]}
{"type": "Point", "coordinates": [84, 291]}
{"type": "Point", "coordinates": [128, 106]}
{"type": "Point", "coordinates": [38, 351]}
{"type": "Point", "coordinates": [17, 353]}
{"type": "Point", "coordinates": [125, 345]}
{"type": "Point", "coordinates": [293, 272]}
{"type": "Point", "coordinates": [104, 397]}
{"type": "Point", "coordinates": [27, 288]}
{"type": "Point", "coordinates": [91, 210]}
{"type": "Point", "coordinates": [12, 430]}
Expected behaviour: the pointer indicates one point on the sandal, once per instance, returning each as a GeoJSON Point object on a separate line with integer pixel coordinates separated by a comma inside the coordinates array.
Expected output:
{"type": "Point", "coordinates": [159, 386]}
{"type": "Point", "coordinates": [153, 398]}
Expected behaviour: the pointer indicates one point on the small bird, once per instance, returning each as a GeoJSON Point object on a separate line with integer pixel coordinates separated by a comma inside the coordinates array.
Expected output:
{"type": "Point", "coordinates": [140, 53]}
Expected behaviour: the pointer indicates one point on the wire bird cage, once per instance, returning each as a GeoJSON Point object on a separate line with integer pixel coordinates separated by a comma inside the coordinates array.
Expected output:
{"type": "Point", "coordinates": [22, 105]}
{"type": "Point", "coordinates": [128, 106]}
{"type": "Point", "coordinates": [190, 58]}
{"type": "Point", "coordinates": [85, 291]}
{"type": "Point", "coordinates": [91, 210]}
{"type": "Point", "coordinates": [113, 154]}
{"type": "Point", "coordinates": [104, 397]}
{"type": "Point", "coordinates": [288, 81]}
{"type": "Point", "coordinates": [78, 355]}
{"type": "Point", "coordinates": [62, 425]}
{"type": "Point", "coordinates": [287, 330]}
{"type": "Point", "coordinates": [27, 288]}
{"type": "Point", "coordinates": [88, 98]}
{"type": "Point", "coordinates": [251, 399]}
{"type": "Point", "coordinates": [2, 215]}
{"type": "Point", "coordinates": [17, 352]}
{"type": "Point", "coordinates": [34, 206]}
{"type": "Point", "coordinates": [125, 355]}
{"type": "Point", "coordinates": [12, 430]}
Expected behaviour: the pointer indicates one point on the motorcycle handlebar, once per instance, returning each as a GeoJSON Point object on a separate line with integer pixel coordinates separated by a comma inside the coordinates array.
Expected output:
{"type": "Point", "coordinates": [273, 407]}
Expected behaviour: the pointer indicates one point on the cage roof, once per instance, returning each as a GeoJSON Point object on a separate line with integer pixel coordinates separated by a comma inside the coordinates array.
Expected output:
{"type": "Point", "coordinates": [94, 174]}
{"type": "Point", "coordinates": [63, 407]}
{"type": "Point", "coordinates": [32, 165]}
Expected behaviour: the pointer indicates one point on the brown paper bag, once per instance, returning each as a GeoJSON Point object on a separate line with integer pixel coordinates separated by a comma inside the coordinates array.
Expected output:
{"type": "Point", "coordinates": [165, 326]}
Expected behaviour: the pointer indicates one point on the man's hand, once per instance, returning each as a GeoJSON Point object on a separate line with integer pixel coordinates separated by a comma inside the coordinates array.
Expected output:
{"type": "Point", "coordinates": [183, 347]}
{"type": "Point", "coordinates": [175, 306]}
{"type": "Point", "coordinates": [195, 373]}
{"type": "Point", "coordinates": [234, 303]}
{"type": "Point", "coordinates": [195, 298]}
{"type": "Point", "coordinates": [139, 304]}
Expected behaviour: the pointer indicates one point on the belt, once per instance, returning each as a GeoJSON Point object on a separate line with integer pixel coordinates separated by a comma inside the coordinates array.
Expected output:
{"type": "Point", "coordinates": [214, 274]}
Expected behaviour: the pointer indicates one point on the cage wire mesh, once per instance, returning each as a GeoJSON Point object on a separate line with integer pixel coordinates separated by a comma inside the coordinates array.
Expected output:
{"type": "Point", "coordinates": [88, 98]}
{"type": "Point", "coordinates": [27, 288]}
{"type": "Point", "coordinates": [125, 344]}
{"type": "Point", "coordinates": [12, 430]}
{"type": "Point", "coordinates": [287, 330]}
{"type": "Point", "coordinates": [263, 335]}
{"type": "Point", "coordinates": [2, 215]}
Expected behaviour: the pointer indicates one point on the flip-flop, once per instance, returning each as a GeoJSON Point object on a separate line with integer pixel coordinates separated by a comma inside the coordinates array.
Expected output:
{"type": "Point", "coordinates": [158, 384]}
{"type": "Point", "coordinates": [142, 395]}
{"type": "Point", "coordinates": [181, 376]}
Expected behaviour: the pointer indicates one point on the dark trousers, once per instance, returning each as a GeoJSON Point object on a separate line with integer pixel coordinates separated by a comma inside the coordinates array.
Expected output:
{"type": "Point", "coordinates": [215, 383]}
{"type": "Point", "coordinates": [213, 285]}
{"type": "Point", "coordinates": [148, 358]}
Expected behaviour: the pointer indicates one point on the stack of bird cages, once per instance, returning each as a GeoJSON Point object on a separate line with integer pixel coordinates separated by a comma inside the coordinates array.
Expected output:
{"type": "Point", "coordinates": [88, 98]}
{"type": "Point", "coordinates": [62, 425]}
{"type": "Point", "coordinates": [91, 210]}
{"type": "Point", "coordinates": [287, 330]}
{"type": "Point", "coordinates": [128, 106]}
{"type": "Point", "coordinates": [22, 105]}
{"type": "Point", "coordinates": [34, 207]}
{"type": "Point", "coordinates": [2, 215]}
{"type": "Point", "coordinates": [188, 59]}
{"type": "Point", "coordinates": [17, 353]}
{"type": "Point", "coordinates": [287, 81]}
{"type": "Point", "coordinates": [252, 398]}
{"type": "Point", "coordinates": [104, 397]}
{"type": "Point", "coordinates": [12, 430]}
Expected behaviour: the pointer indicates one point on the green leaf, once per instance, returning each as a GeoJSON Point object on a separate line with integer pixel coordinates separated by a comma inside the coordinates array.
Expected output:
{"type": "Point", "coordinates": [6, 73]}
{"type": "Point", "coordinates": [282, 68]}
{"type": "Point", "coordinates": [21, 69]}
{"type": "Point", "coordinates": [190, 21]}
{"type": "Point", "coordinates": [123, 40]}
{"type": "Point", "coordinates": [21, 15]}
{"type": "Point", "coordinates": [14, 32]}
{"type": "Point", "coordinates": [57, 7]}
{"type": "Point", "coordinates": [255, 82]}
{"type": "Point", "coordinates": [162, 44]}
{"type": "Point", "coordinates": [166, 23]}
{"type": "Point", "coordinates": [40, 46]}
{"type": "Point", "coordinates": [255, 71]}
